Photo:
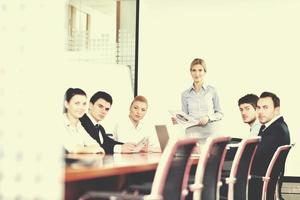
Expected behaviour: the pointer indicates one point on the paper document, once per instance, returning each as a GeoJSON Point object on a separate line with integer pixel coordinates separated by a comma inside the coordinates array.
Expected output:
{"type": "Point", "coordinates": [141, 144]}
{"type": "Point", "coordinates": [183, 118]}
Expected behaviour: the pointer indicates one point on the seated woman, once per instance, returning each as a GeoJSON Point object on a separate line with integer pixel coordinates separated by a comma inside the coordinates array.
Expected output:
{"type": "Point", "coordinates": [132, 129]}
{"type": "Point", "coordinates": [75, 138]}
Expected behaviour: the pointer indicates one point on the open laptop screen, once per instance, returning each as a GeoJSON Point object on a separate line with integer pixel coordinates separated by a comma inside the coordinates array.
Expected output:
{"type": "Point", "coordinates": [162, 135]}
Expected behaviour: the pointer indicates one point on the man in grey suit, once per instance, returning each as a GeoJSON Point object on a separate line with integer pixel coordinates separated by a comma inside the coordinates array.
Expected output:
{"type": "Point", "coordinates": [274, 132]}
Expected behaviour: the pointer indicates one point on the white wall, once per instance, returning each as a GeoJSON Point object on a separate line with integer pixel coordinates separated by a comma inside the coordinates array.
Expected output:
{"type": "Point", "coordinates": [249, 47]}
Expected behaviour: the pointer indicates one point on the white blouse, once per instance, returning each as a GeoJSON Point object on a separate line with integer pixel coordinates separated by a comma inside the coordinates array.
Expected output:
{"type": "Point", "coordinates": [126, 132]}
{"type": "Point", "coordinates": [75, 136]}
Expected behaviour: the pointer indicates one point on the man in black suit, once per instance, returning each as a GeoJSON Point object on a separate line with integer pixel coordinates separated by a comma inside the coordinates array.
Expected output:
{"type": "Point", "coordinates": [274, 132]}
{"type": "Point", "coordinates": [99, 106]}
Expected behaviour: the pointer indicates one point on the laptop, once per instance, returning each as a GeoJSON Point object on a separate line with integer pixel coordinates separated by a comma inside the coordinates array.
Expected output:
{"type": "Point", "coordinates": [162, 135]}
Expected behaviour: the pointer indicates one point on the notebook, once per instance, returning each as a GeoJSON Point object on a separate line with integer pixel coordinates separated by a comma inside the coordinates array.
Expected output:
{"type": "Point", "coordinates": [162, 135]}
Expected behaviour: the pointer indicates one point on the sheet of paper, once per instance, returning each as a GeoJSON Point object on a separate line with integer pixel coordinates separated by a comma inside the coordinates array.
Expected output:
{"type": "Point", "coordinates": [183, 118]}
{"type": "Point", "coordinates": [141, 144]}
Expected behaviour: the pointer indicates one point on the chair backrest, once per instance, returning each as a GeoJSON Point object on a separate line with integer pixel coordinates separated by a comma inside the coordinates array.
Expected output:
{"type": "Point", "coordinates": [173, 169]}
{"type": "Point", "coordinates": [208, 172]}
{"type": "Point", "coordinates": [240, 169]}
{"type": "Point", "coordinates": [274, 170]}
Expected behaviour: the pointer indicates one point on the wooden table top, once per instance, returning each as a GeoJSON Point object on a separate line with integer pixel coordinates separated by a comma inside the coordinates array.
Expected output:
{"type": "Point", "coordinates": [98, 165]}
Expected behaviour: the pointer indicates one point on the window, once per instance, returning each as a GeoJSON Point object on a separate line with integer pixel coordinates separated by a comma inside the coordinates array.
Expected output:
{"type": "Point", "coordinates": [102, 31]}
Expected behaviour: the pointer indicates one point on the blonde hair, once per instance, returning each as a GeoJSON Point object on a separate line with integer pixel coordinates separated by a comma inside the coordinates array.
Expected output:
{"type": "Point", "coordinates": [141, 99]}
{"type": "Point", "coordinates": [198, 61]}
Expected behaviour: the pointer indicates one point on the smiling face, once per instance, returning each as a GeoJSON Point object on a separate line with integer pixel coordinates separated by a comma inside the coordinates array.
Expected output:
{"type": "Point", "coordinates": [266, 110]}
{"type": "Point", "coordinates": [248, 113]}
{"type": "Point", "coordinates": [137, 110]}
{"type": "Point", "coordinates": [99, 109]}
{"type": "Point", "coordinates": [197, 73]}
{"type": "Point", "coordinates": [77, 105]}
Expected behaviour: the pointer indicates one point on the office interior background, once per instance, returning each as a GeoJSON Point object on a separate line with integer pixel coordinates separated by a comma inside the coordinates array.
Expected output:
{"type": "Point", "coordinates": [48, 46]}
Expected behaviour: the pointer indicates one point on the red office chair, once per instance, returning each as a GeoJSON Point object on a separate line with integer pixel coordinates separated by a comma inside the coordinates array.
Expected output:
{"type": "Point", "coordinates": [208, 173]}
{"type": "Point", "coordinates": [273, 172]}
{"type": "Point", "coordinates": [237, 181]}
{"type": "Point", "coordinates": [170, 178]}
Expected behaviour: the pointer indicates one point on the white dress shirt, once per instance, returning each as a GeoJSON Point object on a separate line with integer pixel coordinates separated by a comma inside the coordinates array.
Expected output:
{"type": "Point", "coordinates": [75, 136]}
{"type": "Point", "coordinates": [254, 129]}
{"type": "Point", "coordinates": [126, 132]}
{"type": "Point", "coordinates": [203, 103]}
{"type": "Point", "coordinates": [95, 123]}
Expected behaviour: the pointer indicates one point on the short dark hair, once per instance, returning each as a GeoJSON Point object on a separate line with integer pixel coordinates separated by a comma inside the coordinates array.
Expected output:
{"type": "Point", "coordinates": [101, 95]}
{"type": "Point", "coordinates": [250, 99]}
{"type": "Point", "coordinates": [71, 92]}
{"type": "Point", "coordinates": [273, 96]}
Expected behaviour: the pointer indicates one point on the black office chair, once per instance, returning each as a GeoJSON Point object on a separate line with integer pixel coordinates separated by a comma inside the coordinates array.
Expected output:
{"type": "Point", "coordinates": [235, 184]}
{"type": "Point", "coordinates": [273, 172]}
{"type": "Point", "coordinates": [206, 181]}
{"type": "Point", "coordinates": [170, 178]}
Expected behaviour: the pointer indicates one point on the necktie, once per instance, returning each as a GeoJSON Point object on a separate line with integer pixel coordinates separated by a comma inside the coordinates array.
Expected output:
{"type": "Point", "coordinates": [99, 135]}
{"type": "Point", "coordinates": [97, 128]}
{"type": "Point", "coordinates": [261, 129]}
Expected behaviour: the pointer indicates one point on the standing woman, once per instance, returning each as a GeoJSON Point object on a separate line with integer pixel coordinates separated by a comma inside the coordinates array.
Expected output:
{"type": "Point", "coordinates": [75, 138]}
{"type": "Point", "coordinates": [201, 101]}
{"type": "Point", "coordinates": [133, 129]}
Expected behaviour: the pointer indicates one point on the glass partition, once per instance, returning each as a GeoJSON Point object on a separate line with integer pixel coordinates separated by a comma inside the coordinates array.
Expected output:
{"type": "Point", "coordinates": [102, 31]}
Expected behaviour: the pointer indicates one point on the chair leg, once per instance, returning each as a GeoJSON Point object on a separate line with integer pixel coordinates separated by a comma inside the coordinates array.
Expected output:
{"type": "Point", "coordinates": [278, 191]}
{"type": "Point", "coordinates": [276, 196]}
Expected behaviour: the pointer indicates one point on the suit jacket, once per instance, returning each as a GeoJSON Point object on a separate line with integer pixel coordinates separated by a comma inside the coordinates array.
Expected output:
{"type": "Point", "coordinates": [108, 143]}
{"type": "Point", "coordinates": [275, 135]}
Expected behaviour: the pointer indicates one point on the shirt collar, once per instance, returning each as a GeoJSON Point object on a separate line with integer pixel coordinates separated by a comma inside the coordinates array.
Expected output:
{"type": "Point", "coordinates": [92, 118]}
{"type": "Point", "coordinates": [204, 87]}
{"type": "Point", "coordinates": [256, 123]}
{"type": "Point", "coordinates": [138, 126]}
{"type": "Point", "coordinates": [272, 120]}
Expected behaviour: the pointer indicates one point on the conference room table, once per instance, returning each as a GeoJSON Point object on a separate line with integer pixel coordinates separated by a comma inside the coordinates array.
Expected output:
{"type": "Point", "coordinates": [106, 172]}
{"type": "Point", "coordinates": [97, 165]}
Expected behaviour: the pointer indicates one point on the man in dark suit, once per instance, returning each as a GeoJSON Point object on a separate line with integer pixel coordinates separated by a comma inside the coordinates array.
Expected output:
{"type": "Point", "coordinates": [274, 132]}
{"type": "Point", "coordinates": [99, 106]}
